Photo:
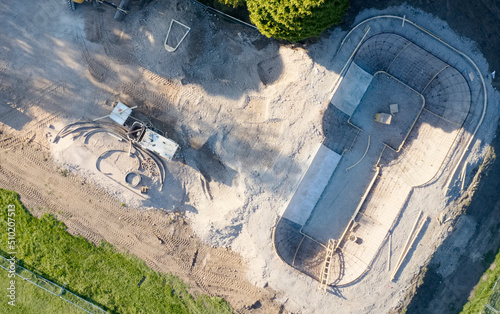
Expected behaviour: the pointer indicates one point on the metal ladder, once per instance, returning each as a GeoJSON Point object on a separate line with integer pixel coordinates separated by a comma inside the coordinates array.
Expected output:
{"type": "Point", "coordinates": [325, 271]}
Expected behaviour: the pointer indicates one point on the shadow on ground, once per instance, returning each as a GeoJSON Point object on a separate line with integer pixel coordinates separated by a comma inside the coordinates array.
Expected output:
{"type": "Point", "coordinates": [475, 235]}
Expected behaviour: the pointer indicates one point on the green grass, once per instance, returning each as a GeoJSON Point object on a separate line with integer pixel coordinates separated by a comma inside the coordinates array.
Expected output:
{"type": "Point", "coordinates": [484, 289]}
{"type": "Point", "coordinates": [31, 299]}
{"type": "Point", "coordinates": [101, 274]}
{"type": "Point", "coordinates": [494, 300]}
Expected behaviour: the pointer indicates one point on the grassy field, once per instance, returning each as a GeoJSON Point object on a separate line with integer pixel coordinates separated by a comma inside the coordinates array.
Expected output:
{"type": "Point", "coordinates": [115, 281]}
{"type": "Point", "coordinates": [484, 292]}
{"type": "Point", "coordinates": [494, 300]}
{"type": "Point", "coordinates": [31, 299]}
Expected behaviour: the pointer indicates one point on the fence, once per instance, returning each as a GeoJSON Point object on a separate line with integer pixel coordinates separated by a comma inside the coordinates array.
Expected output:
{"type": "Point", "coordinates": [53, 288]}
{"type": "Point", "coordinates": [493, 305]}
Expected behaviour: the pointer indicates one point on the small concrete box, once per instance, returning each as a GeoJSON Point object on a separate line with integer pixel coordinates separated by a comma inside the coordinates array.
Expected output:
{"type": "Point", "coordinates": [384, 118]}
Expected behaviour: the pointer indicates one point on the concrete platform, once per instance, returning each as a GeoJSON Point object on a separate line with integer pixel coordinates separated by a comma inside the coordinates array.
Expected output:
{"type": "Point", "coordinates": [383, 91]}
{"type": "Point", "coordinates": [343, 193]}
{"type": "Point", "coordinates": [352, 89]}
{"type": "Point", "coordinates": [312, 185]}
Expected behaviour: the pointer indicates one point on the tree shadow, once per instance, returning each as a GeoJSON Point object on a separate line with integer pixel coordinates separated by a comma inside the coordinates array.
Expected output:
{"type": "Point", "coordinates": [224, 59]}
{"type": "Point", "coordinates": [473, 234]}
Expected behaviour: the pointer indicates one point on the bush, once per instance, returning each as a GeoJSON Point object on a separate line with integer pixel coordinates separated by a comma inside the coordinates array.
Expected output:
{"type": "Point", "coordinates": [233, 3]}
{"type": "Point", "coordinates": [295, 20]}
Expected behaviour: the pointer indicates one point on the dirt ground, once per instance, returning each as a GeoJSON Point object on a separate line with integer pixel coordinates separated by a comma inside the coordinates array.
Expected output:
{"type": "Point", "coordinates": [246, 111]}
{"type": "Point", "coordinates": [58, 67]}
{"type": "Point", "coordinates": [472, 246]}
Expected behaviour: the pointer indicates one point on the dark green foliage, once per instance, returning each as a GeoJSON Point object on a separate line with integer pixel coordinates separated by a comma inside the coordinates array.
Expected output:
{"type": "Point", "coordinates": [233, 3]}
{"type": "Point", "coordinates": [101, 274]}
{"type": "Point", "coordinates": [295, 20]}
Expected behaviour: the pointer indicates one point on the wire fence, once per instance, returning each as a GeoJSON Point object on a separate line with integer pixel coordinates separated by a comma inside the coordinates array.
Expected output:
{"type": "Point", "coordinates": [225, 16]}
{"type": "Point", "coordinates": [493, 305]}
{"type": "Point", "coordinates": [51, 287]}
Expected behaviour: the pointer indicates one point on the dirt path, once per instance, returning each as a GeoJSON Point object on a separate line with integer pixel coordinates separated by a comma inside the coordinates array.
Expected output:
{"type": "Point", "coordinates": [164, 241]}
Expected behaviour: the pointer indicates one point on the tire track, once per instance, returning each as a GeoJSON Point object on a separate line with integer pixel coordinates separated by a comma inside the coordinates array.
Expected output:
{"type": "Point", "coordinates": [190, 96]}
{"type": "Point", "coordinates": [150, 99]}
{"type": "Point", "coordinates": [95, 68]}
{"type": "Point", "coordinates": [23, 136]}
{"type": "Point", "coordinates": [225, 255]}
{"type": "Point", "coordinates": [113, 51]}
{"type": "Point", "coordinates": [32, 198]}
{"type": "Point", "coordinates": [167, 86]}
{"type": "Point", "coordinates": [216, 276]}
{"type": "Point", "coordinates": [225, 281]}
{"type": "Point", "coordinates": [211, 282]}
{"type": "Point", "coordinates": [76, 227]}
{"type": "Point", "coordinates": [45, 92]}
{"type": "Point", "coordinates": [49, 90]}
{"type": "Point", "coordinates": [150, 263]}
{"type": "Point", "coordinates": [4, 65]}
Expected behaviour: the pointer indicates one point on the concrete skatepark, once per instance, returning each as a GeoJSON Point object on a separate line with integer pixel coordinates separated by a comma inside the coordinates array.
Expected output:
{"type": "Point", "coordinates": [363, 173]}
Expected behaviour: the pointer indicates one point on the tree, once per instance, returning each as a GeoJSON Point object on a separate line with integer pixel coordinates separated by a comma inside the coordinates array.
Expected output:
{"type": "Point", "coordinates": [295, 20]}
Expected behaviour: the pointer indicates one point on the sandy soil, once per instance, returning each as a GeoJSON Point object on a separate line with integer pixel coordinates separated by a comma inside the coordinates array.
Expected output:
{"type": "Point", "coordinates": [247, 112]}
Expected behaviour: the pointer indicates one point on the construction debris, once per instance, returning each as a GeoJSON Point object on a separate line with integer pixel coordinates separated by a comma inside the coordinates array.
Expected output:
{"type": "Point", "coordinates": [409, 243]}
{"type": "Point", "coordinates": [144, 155]}
{"type": "Point", "coordinates": [383, 118]}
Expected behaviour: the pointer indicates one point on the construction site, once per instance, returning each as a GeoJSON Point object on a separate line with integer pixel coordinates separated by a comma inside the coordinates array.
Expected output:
{"type": "Point", "coordinates": [280, 177]}
{"type": "Point", "coordinates": [361, 177]}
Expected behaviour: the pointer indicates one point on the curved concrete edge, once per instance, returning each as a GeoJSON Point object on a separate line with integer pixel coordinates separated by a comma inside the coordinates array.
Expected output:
{"type": "Point", "coordinates": [287, 255]}
{"type": "Point", "coordinates": [467, 58]}
{"type": "Point", "coordinates": [439, 172]}
{"type": "Point", "coordinates": [277, 245]}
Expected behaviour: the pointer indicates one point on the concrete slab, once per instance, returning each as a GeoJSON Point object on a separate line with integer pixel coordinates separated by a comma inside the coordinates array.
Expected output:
{"type": "Point", "coordinates": [343, 193]}
{"type": "Point", "coordinates": [383, 91]}
{"type": "Point", "coordinates": [394, 108]}
{"type": "Point", "coordinates": [352, 89]}
{"type": "Point", "coordinates": [312, 185]}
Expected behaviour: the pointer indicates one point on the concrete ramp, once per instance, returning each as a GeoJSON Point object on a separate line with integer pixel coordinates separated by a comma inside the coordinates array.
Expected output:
{"type": "Point", "coordinates": [312, 185]}
{"type": "Point", "coordinates": [351, 89]}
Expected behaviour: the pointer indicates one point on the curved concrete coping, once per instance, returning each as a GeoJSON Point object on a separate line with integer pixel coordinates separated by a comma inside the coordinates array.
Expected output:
{"type": "Point", "coordinates": [367, 199]}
